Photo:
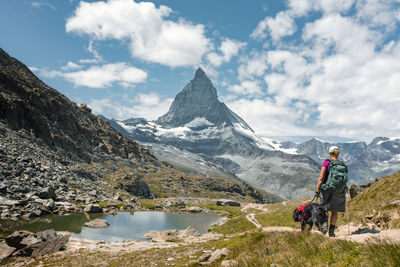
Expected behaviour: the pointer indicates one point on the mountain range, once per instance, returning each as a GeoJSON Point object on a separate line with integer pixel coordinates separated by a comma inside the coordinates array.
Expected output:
{"type": "Point", "coordinates": [202, 135]}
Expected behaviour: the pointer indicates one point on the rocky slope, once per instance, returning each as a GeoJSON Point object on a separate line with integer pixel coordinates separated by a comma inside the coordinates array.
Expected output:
{"type": "Point", "coordinates": [197, 123]}
{"type": "Point", "coordinates": [53, 150]}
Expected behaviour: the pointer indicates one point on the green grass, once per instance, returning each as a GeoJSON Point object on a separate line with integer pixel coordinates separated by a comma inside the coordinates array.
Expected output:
{"type": "Point", "coordinates": [279, 214]}
{"type": "Point", "coordinates": [306, 249]}
{"type": "Point", "coordinates": [374, 199]}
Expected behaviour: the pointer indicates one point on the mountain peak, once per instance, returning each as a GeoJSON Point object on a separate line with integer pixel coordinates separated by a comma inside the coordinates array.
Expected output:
{"type": "Point", "coordinates": [199, 99]}
{"type": "Point", "coordinates": [200, 74]}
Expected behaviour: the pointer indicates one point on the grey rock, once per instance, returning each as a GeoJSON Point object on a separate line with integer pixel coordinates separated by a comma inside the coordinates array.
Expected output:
{"type": "Point", "coordinates": [5, 251]}
{"type": "Point", "coordinates": [45, 242]}
{"type": "Point", "coordinates": [227, 202]}
{"type": "Point", "coordinates": [97, 223]}
{"type": "Point", "coordinates": [14, 240]}
{"type": "Point", "coordinates": [93, 209]}
{"type": "Point", "coordinates": [48, 192]}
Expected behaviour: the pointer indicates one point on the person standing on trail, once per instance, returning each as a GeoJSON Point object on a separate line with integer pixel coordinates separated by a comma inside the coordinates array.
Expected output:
{"type": "Point", "coordinates": [332, 187]}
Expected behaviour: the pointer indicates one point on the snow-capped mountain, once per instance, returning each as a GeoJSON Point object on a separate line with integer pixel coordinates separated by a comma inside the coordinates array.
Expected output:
{"type": "Point", "coordinates": [198, 123]}
{"type": "Point", "coordinates": [365, 161]}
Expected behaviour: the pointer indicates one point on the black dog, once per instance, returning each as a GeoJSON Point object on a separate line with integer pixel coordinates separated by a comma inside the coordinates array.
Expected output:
{"type": "Point", "coordinates": [311, 214]}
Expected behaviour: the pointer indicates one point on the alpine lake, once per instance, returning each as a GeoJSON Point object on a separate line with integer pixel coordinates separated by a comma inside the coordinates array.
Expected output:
{"type": "Point", "coordinates": [123, 225]}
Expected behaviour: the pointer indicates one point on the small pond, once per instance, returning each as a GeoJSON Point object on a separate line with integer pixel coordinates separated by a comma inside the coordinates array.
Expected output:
{"type": "Point", "coordinates": [123, 226]}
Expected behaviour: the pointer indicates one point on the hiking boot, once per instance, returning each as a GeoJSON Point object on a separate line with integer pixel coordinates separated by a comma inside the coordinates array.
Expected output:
{"type": "Point", "coordinates": [332, 230]}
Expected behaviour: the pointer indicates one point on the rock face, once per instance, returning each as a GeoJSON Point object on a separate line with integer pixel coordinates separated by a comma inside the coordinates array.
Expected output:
{"type": "Point", "coordinates": [199, 133]}
{"type": "Point", "coordinates": [41, 243]}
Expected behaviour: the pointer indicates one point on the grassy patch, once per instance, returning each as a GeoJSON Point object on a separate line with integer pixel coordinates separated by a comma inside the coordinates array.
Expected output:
{"type": "Point", "coordinates": [234, 225]}
{"type": "Point", "coordinates": [374, 199]}
{"type": "Point", "coordinates": [280, 214]}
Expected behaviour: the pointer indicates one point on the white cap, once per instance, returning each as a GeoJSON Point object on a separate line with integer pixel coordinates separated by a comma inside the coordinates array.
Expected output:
{"type": "Point", "coordinates": [332, 148]}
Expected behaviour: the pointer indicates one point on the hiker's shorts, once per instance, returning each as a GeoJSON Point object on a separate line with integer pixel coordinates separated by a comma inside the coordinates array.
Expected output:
{"type": "Point", "coordinates": [333, 201]}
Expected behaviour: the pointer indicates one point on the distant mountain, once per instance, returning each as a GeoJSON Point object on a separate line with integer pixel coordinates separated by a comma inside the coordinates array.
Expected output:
{"type": "Point", "coordinates": [197, 122]}
{"type": "Point", "coordinates": [366, 161]}
{"type": "Point", "coordinates": [52, 148]}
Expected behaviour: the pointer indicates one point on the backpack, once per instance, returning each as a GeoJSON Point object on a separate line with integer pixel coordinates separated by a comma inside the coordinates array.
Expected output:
{"type": "Point", "coordinates": [337, 179]}
{"type": "Point", "coordinates": [300, 215]}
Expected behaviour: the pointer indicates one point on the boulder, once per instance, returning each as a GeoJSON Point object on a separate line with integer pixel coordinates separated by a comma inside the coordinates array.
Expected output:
{"type": "Point", "coordinates": [215, 256]}
{"type": "Point", "coordinates": [97, 223]}
{"type": "Point", "coordinates": [194, 209]}
{"type": "Point", "coordinates": [93, 209]}
{"type": "Point", "coordinates": [47, 192]}
{"type": "Point", "coordinates": [47, 242]}
{"type": "Point", "coordinates": [14, 240]}
{"type": "Point", "coordinates": [227, 202]}
{"type": "Point", "coordinates": [5, 251]}
{"type": "Point", "coordinates": [29, 244]}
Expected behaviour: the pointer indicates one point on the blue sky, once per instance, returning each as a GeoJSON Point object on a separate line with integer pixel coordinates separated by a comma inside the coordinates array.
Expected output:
{"type": "Point", "coordinates": [293, 68]}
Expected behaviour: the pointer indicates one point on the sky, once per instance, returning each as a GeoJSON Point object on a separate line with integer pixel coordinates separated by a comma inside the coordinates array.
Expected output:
{"type": "Point", "coordinates": [292, 69]}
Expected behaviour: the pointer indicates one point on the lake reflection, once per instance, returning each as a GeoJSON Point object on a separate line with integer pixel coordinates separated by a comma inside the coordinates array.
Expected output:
{"type": "Point", "coordinates": [123, 226]}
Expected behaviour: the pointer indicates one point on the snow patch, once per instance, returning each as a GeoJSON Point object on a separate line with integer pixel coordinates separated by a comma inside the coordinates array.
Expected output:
{"type": "Point", "coordinates": [198, 122]}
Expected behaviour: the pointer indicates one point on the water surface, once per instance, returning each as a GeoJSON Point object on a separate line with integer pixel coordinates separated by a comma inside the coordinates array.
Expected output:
{"type": "Point", "coordinates": [123, 226]}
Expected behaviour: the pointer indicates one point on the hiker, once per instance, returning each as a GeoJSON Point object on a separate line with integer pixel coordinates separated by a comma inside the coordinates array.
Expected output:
{"type": "Point", "coordinates": [332, 187]}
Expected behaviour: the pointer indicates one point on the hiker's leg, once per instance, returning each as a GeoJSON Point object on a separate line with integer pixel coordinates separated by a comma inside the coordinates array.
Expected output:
{"type": "Point", "coordinates": [334, 217]}
{"type": "Point", "coordinates": [332, 224]}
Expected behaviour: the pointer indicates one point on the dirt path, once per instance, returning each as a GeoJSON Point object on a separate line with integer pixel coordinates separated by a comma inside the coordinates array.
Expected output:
{"type": "Point", "coordinates": [348, 232]}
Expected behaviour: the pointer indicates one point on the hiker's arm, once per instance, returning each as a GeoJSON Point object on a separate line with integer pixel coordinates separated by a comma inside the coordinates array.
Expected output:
{"type": "Point", "coordinates": [321, 178]}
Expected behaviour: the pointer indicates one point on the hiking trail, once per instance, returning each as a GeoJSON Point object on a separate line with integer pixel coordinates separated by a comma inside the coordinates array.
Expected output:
{"type": "Point", "coordinates": [348, 232]}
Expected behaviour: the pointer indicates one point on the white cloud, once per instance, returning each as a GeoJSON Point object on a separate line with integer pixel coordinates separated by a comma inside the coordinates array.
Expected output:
{"type": "Point", "coordinates": [98, 76]}
{"type": "Point", "coordinates": [340, 79]}
{"type": "Point", "coordinates": [71, 66]}
{"type": "Point", "coordinates": [37, 4]}
{"type": "Point", "coordinates": [152, 37]}
{"type": "Point", "coordinates": [106, 75]}
{"type": "Point", "coordinates": [149, 106]}
{"type": "Point", "coordinates": [282, 25]}
{"type": "Point", "coordinates": [247, 87]}
{"type": "Point", "coordinates": [228, 49]}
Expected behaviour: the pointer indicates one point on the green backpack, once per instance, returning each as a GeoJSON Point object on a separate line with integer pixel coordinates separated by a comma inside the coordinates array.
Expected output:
{"type": "Point", "coordinates": [337, 179]}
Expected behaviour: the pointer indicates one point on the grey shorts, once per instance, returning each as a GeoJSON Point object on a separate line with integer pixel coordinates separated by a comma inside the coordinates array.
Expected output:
{"type": "Point", "coordinates": [333, 201]}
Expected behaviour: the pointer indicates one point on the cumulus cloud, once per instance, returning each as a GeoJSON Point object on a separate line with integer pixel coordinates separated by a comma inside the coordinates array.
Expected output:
{"type": "Point", "coordinates": [151, 36]}
{"type": "Point", "coordinates": [228, 49]}
{"type": "Point", "coordinates": [98, 76]}
{"type": "Point", "coordinates": [282, 25]}
{"type": "Point", "coordinates": [149, 106]}
{"type": "Point", "coordinates": [340, 78]}
{"type": "Point", "coordinates": [247, 87]}
{"type": "Point", "coordinates": [71, 66]}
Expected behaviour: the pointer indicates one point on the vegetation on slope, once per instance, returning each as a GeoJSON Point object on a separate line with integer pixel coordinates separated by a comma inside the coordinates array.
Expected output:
{"type": "Point", "coordinates": [376, 204]}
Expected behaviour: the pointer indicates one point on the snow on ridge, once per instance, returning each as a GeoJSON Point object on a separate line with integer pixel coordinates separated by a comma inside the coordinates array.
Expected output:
{"type": "Point", "coordinates": [128, 128]}
{"type": "Point", "coordinates": [261, 143]}
{"type": "Point", "coordinates": [197, 122]}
